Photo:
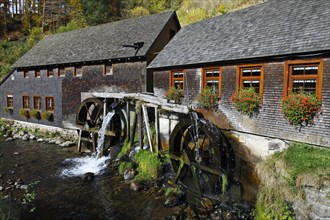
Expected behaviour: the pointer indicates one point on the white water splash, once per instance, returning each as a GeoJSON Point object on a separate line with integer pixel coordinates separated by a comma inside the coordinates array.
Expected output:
{"type": "Point", "coordinates": [94, 163]}
{"type": "Point", "coordinates": [82, 165]}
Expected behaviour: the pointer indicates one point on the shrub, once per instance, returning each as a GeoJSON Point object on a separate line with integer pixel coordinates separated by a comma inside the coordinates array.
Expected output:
{"type": "Point", "coordinates": [47, 115]}
{"type": "Point", "coordinates": [24, 113]}
{"type": "Point", "coordinates": [34, 113]}
{"type": "Point", "coordinates": [300, 108]}
{"type": "Point", "coordinates": [8, 109]}
{"type": "Point", "coordinates": [207, 99]}
{"type": "Point", "coordinates": [246, 100]}
{"type": "Point", "coordinates": [174, 93]}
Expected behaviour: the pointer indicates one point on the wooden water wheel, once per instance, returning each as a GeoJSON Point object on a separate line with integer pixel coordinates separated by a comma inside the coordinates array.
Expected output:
{"type": "Point", "coordinates": [202, 157]}
{"type": "Point", "coordinates": [90, 117]}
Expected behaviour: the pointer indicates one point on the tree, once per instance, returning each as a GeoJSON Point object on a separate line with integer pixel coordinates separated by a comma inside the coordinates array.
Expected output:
{"type": "Point", "coordinates": [76, 12]}
{"type": "Point", "coordinates": [55, 13]}
{"type": "Point", "coordinates": [138, 11]}
{"type": "Point", "coordinates": [4, 14]}
{"type": "Point", "coordinates": [101, 11]}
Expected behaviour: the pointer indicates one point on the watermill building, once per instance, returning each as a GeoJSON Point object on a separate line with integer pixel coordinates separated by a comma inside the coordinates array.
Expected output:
{"type": "Point", "coordinates": [276, 47]}
{"type": "Point", "coordinates": [110, 57]}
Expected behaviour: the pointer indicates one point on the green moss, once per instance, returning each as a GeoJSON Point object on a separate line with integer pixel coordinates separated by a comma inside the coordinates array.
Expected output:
{"type": "Point", "coordinates": [284, 175]}
{"type": "Point", "coordinates": [125, 149]}
{"type": "Point", "coordinates": [149, 165]}
{"type": "Point", "coordinates": [124, 166]}
{"type": "Point", "coordinates": [175, 190]}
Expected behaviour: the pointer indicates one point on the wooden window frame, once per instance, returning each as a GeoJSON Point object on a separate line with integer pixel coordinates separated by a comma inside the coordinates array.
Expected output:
{"type": "Point", "coordinates": [24, 102]}
{"type": "Point", "coordinates": [205, 78]}
{"type": "Point", "coordinates": [75, 71]}
{"type": "Point", "coordinates": [106, 67]}
{"type": "Point", "coordinates": [66, 69]}
{"type": "Point", "coordinates": [10, 101]}
{"type": "Point", "coordinates": [288, 77]}
{"type": "Point", "coordinates": [37, 73]}
{"type": "Point", "coordinates": [46, 103]}
{"type": "Point", "coordinates": [37, 102]}
{"type": "Point", "coordinates": [173, 79]}
{"type": "Point", "coordinates": [50, 70]}
{"type": "Point", "coordinates": [25, 74]}
{"type": "Point", "coordinates": [240, 79]}
{"type": "Point", "coordinates": [60, 71]}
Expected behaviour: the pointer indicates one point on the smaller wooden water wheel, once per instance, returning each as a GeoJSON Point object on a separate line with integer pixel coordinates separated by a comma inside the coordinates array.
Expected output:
{"type": "Point", "coordinates": [90, 117]}
{"type": "Point", "coordinates": [202, 157]}
{"type": "Point", "coordinates": [90, 112]}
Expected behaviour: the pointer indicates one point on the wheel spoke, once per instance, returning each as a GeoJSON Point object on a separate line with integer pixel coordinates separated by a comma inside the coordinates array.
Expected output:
{"type": "Point", "coordinates": [203, 175]}
{"type": "Point", "coordinates": [208, 169]}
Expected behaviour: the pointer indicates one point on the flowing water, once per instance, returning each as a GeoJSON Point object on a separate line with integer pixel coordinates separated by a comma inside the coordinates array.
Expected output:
{"type": "Point", "coordinates": [94, 163]}
{"type": "Point", "coordinates": [67, 196]}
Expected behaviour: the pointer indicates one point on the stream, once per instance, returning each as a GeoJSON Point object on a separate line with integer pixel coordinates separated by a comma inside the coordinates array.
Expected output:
{"type": "Point", "coordinates": [60, 195]}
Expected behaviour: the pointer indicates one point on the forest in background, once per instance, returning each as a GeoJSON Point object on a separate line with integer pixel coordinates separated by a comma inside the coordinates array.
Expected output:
{"type": "Point", "coordinates": [24, 22]}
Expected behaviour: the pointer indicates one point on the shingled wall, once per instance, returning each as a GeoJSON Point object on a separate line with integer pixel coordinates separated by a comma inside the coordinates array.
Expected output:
{"type": "Point", "coordinates": [127, 77]}
{"type": "Point", "coordinates": [19, 86]}
{"type": "Point", "coordinates": [269, 121]}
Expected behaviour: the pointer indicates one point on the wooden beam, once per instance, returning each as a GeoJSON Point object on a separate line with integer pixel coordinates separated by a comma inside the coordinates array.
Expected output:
{"type": "Point", "coordinates": [157, 129]}
{"type": "Point", "coordinates": [146, 121]}
{"type": "Point", "coordinates": [128, 123]}
{"type": "Point", "coordinates": [79, 140]}
{"type": "Point", "coordinates": [140, 124]}
{"type": "Point", "coordinates": [131, 139]}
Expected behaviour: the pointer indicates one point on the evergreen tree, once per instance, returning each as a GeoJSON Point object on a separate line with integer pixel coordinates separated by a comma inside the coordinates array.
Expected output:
{"type": "Point", "coordinates": [76, 13]}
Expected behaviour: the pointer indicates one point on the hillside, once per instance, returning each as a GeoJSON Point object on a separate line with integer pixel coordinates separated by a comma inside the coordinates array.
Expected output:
{"type": "Point", "coordinates": [22, 29]}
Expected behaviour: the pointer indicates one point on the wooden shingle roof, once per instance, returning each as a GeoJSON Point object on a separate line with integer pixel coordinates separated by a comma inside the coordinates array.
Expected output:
{"type": "Point", "coordinates": [274, 28]}
{"type": "Point", "coordinates": [100, 42]}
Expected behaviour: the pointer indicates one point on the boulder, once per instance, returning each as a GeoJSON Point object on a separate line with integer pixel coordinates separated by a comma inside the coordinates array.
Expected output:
{"type": "Point", "coordinates": [51, 141]}
{"type": "Point", "coordinates": [88, 177]}
{"type": "Point", "coordinates": [134, 186]}
{"type": "Point", "coordinates": [59, 140]}
{"type": "Point", "coordinates": [24, 187]}
{"type": "Point", "coordinates": [66, 144]}
{"type": "Point", "coordinates": [9, 139]}
{"type": "Point", "coordinates": [25, 137]}
{"type": "Point", "coordinates": [129, 174]}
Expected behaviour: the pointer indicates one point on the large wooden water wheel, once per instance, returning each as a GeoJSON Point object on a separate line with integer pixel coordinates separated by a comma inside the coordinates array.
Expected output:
{"type": "Point", "coordinates": [90, 117]}
{"type": "Point", "coordinates": [202, 157]}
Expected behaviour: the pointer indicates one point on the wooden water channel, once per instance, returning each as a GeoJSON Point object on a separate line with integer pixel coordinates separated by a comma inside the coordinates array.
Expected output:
{"type": "Point", "coordinates": [200, 153]}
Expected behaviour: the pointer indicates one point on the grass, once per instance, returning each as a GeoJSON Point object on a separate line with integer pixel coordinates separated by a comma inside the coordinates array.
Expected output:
{"type": "Point", "coordinates": [284, 176]}
{"type": "Point", "coordinates": [302, 159]}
